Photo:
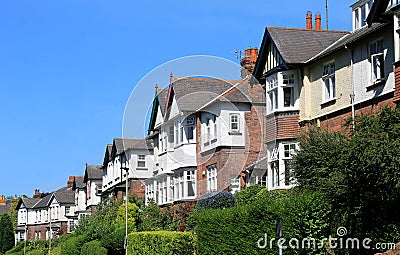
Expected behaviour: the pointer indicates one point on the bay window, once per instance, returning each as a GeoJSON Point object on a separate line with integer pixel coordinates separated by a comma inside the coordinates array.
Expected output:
{"type": "Point", "coordinates": [282, 90]}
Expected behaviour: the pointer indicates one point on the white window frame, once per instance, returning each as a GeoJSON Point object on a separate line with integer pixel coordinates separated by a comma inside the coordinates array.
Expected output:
{"type": "Point", "coordinates": [235, 184]}
{"type": "Point", "coordinates": [377, 59]}
{"type": "Point", "coordinates": [234, 118]}
{"type": "Point", "coordinates": [212, 181]}
{"type": "Point", "coordinates": [141, 159]}
{"type": "Point", "coordinates": [329, 81]}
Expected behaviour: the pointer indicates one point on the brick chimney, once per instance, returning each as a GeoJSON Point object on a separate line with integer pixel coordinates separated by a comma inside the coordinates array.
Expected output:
{"type": "Point", "coordinates": [318, 22]}
{"type": "Point", "coordinates": [70, 181]}
{"type": "Point", "coordinates": [3, 200]}
{"type": "Point", "coordinates": [248, 62]}
{"type": "Point", "coordinates": [309, 20]}
{"type": "Point", "coordinates": [36, 194]}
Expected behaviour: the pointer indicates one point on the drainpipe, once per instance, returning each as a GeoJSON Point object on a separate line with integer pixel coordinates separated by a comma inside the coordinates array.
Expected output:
{"type": "Point", "coordinates": [352, 95]}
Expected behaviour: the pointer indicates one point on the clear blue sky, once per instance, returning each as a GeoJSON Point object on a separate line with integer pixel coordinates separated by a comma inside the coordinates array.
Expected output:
{"type": "Point", "coordinates": [67, 68]}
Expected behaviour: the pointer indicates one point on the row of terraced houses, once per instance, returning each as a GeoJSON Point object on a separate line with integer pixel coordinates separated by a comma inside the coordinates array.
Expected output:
{"type": "Point", "coordinates": [209, 134]}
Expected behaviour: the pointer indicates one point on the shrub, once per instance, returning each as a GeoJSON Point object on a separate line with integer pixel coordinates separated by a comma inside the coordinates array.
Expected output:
{"type": "Point", "coordinates": [73, 245]}
{"type": "Point", "coordinates": [236, 230]}
{"type": "Point", "coordinates": [93, 247]}
{"type": "Point", "coordinates": [248, 194]}
{"type": "Point", "coordinates": [161, 242]}
{"type": "Point", "coordinates": [114, 241]}
{"type": "Point", "coordinates": [216, 200]}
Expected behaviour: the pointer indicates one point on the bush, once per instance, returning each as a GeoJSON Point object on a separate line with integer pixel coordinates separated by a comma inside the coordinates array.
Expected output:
{"type": "Point", "coordinates": [73, 245]}
{"type": "Point", "coordinates": [236, 230]}
{"type": "Point", "coordinates": [161, 242]}
{"type": "Point", "coordinates": [93, 247]}
{"type": "Point", "coordinates": [216, 200]}
{"type": "Point", "coordinates": [248, 194]}
{"type": "Point", "coordinates": [114, 241]}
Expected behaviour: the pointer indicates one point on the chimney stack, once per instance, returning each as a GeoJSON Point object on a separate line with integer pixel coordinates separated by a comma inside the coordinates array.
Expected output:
{"type": "Point", "coordinates": [309, 20]}
{"type": "Point", "coordinates": [70, 181]}
{"type": "Point", "coordinates": [36, 194]}
{"type": "Point", "coordinates": [248, 62]}
{"type": "Point", "coordinates": [318, 22]}
{"type": "Point", "coordinates": [3, 200]}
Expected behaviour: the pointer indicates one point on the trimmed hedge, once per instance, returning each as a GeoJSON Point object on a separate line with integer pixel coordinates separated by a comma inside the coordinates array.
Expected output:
{"type": "Point", "coordinates": [237, 230]}
{"type": "Point", "coordinates": [73, 245]}
{"type": "Point", "coordinates": [216, 200]}
{"type": "Point", "coordinates": [93, 247]}
{"type": "Point", "coordinates": [161, 242]}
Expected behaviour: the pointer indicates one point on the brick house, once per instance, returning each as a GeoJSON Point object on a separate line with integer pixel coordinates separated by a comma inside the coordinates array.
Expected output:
{"type": "Point", "coordinates": [135, 154]}
{"type": "Point", "coordinates": [322, 78]}
{"type": "Point", "coordinates": [48, 215]}
{"type": "Point", "coordinates": [201, 137]}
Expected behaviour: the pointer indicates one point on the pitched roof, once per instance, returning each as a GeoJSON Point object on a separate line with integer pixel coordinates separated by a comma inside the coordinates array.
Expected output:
{"type": "Point", "coordinates": [193, 93]}
{"type": "Point", "coordinates": [296, 45]}
{"type": "Point", "coordinates": [107, 154]}
{"type": "Point", "coordinates": [122, 144]}
{"type": "Point", "coordinates": [65, 196]}
{"type": "Point", "coordinates": [78, 183]}
{"type": "Point", "coordinates": [349, 39]}
{"type": "Point", "coordinates": [93, 173]}
{"type": "Point", "coordinates": [43, 202]}
{"type": "Point", "coordinates": [162, 95]}
{"type": "Point", "coordinates": [4, 209]}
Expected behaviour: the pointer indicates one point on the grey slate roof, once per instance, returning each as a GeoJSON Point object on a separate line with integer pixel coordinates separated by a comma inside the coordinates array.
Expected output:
{"type": "Point", "coordinates": [93, 173]}
{"type": "Point", "coordinates": [78, 182]}
{"type": "Point", "coordinates": [349, 39]}
{"type": "Point", "coordinates": [4, 209]}
{"type": "Point", "coordinates": [64, 195]}
{"type": "Point", "coordinates": [122, 144]}
{"type": "Point", "coordinates": [162, 98]}
{"type": "Point", "coordinates": [193, 93]}
{"type": "Point", "coordinates": [44, 202]}
{"type": "Point", "coordinates": [29, 202]}
{"type": "Point", "coordinates": [299, 45]}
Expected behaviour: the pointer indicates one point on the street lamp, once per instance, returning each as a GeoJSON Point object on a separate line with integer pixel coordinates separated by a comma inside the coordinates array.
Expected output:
{"type": "Point", "coordinates": [125, 166]}
{"type": "Point", "coordinates": [50, 230]}
{"type": "Point", "coordinates": [25, 235]}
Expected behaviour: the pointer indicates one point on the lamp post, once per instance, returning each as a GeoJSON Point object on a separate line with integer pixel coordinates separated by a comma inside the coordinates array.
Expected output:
{"type": "Point", "coordinates": [50, 231]}
{"type": "Point", "coordinates": [124, 167]}
{"type": "Point", "coordinates": [26, 226]}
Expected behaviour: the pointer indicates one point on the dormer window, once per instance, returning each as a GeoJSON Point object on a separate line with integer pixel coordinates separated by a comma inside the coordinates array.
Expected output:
{"type": "Point", "coordinates": [360, 13]}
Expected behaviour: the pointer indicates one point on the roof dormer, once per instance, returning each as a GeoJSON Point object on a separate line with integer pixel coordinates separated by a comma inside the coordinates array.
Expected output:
{"type": "Point", "coordinates": [360, 11]}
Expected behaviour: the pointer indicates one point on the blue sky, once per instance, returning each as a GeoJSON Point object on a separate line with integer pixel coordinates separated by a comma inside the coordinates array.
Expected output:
{"type": "Point", "coordinates": [67, 68]}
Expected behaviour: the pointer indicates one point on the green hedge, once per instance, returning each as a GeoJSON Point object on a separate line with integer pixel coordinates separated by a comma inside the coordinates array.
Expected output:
{"type": "Point", "coordinates": [93, 247]}
{"type": "Point", "coordinates": [237, 230]}
{"type": "Point", "coordinates": [161, 242]}
{"type": "Point", "coordinates": [73, 245]}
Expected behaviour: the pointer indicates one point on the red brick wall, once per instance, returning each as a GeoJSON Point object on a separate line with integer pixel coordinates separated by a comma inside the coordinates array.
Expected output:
{"type": "Point", "coordinates": [396, 97]}
{"type": "Point", "coordinates": [137, 187]}
{"type": "Point", "coordinates": [336, 121]}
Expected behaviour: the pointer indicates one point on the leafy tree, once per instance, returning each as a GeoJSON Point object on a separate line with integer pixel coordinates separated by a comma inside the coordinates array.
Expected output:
{"type": "Point", "coordinates": [6, 233]}
{"type": "Point", "coordinates": [133, 214]}
{"type": "Point", "coordinates": [359, 175]}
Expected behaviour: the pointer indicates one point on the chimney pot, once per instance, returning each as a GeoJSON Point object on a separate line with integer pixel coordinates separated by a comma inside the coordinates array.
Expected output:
{"type": "Point", "coordinates": [249, 60]}
{"type": "Point", "coordinates": [318, 22]}
{"type": "Point", "coordinates": [309, 20]}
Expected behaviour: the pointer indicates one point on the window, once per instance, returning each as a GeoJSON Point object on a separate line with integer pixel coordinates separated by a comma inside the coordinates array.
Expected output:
{"type": "Point", "coordinates": [212, 178]}
{"type": "Point", "coordinates": [234, 122]}
{"type": "Point", "coordinates": [176, 132]}
{"type": "Point", "coordinates": [141, 163]}
{"type": "Point", "coordinates": [328, 77]}
{"type": "Point", "coordinates": [360, 13]}
{"type": "Point", "coordinates": [181, 133]}
{"type": "Point", "coordinates": [189, 127]}
{"type": "Point", "coordinates": [171, 137]}
{"type": "Point", "coordinates": [235, 184]}
{"type": "Point", "coordinates": [377, 61]}
{"type": "Point", "coordinates": [272, 94]}
{"type": "Point", "coordinates": [67, 210]}
{"type": "Point", "coordinates": [289, 150]}
{"type": "Point", "coordinates": [274, 166]}
{"type": "Point", "coordinates": [208, 128]}
{"type": "Point", "coordinates": [190, 177]}
{"type": "Point", "coordinates": [288, 97]}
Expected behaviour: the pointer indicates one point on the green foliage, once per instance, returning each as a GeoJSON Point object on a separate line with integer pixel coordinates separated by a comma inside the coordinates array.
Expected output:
{"type": "Point", "coordinates": [236, 230]}
{"type": "Point", "coordinates": [359, 176]}
{"type": "Point", "coordinates": [133, 214]}
{"type": "Point", "coordinates": [247, 195]}
{"type": "Point", "coordinates": [114, 241]}
{"type": "Point", "coordinates": [32, 247]}
{"type": "Point", "coordinates": [152, 219]}
{"type": "Point", "coordinates": [6, 233]}
{"type": "Point", "coordinates": [93, 247]}
{"type": "Point", "coordinates": [218, 199]}
{"type": "Point", "coordinates": [161, 242]}
{"type": "Point", "coordinates": [73, 245]}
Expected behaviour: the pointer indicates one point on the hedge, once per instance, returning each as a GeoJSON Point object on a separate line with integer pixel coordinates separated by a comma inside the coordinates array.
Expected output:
{"type": "Point", "coordinates": [237, 230]}
{"type": "Point", "coordinates": [93, 247]}
{"type": "Point", "coordinates": [73, 245]}
{"type": "Point", "coordinates": [161, 242]}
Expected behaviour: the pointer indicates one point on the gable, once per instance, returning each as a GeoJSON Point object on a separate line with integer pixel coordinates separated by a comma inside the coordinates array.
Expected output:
{"type": "Point", "coordinates": [159, 118]}
{"type": "Point", "coordinates": [174, 109]}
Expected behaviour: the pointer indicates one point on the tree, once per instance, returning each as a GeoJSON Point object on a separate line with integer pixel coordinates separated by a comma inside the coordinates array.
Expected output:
{"type": "Point", "coordinates": [7, 240]}
{"type": "Point", "coordinates": [359, 175]}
